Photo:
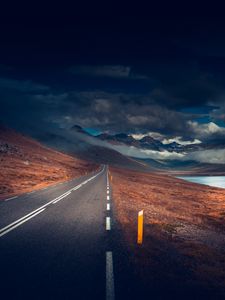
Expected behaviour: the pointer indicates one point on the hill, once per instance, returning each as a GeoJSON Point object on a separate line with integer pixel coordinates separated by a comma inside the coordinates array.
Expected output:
{"type": "Point", "coordinates": [78, 143]}
{"type": "Point", "coordinates": [27, 164]}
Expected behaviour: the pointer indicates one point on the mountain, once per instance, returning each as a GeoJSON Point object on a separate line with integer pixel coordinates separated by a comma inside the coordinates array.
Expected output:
{"type": "Point", "coordinates": [189, 167]}
{"type": "Point", "coordinates": [27, 164]}
{"type": "Point", "coordinates": [77, 142]}
{"type": "Point", "coordinates": [106, 149]}
{"type": "Point", "coordinates": [79, 129]}
{"type": "Point", "coordinates": [149, 143]}
{"type": "Point", "coordinates": [118, 139]}
{"type": "Point", "coordinates": [146, 142]}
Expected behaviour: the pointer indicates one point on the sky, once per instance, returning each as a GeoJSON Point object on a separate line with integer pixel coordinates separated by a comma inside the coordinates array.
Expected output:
{"type": "Point", "coordinates": [156, 70]}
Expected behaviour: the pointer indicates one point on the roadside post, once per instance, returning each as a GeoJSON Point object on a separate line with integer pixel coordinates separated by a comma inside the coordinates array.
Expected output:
{"type": "Point", "coordinates": [140, 227]}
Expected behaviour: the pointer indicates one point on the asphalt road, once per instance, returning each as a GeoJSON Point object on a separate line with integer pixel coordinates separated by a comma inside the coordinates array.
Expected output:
{"type": "Point", "coordinates": [62, 243]}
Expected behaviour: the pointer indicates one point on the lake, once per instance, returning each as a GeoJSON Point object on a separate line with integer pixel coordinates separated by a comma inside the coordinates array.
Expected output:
{"type": "Point", "coordinates": [217, 181]}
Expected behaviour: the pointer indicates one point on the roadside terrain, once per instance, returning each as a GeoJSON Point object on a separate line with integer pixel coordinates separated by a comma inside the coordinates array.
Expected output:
{"type": "Point", "coordinates": [27, 165]}
{"type": "Point", "coordinates": [183, 253]}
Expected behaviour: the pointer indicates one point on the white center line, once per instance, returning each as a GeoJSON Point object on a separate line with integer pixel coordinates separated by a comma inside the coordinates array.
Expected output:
{"type": "Point", "coordinates": [11, 198]}
{"type": "Point", "coordinates": [108, 223]}
{"type": "Point", "coordinates": [20, 223]}
{"type": "Point", "coordinates": [108, 206]}
{"type": "Point", "coordinates": [33, 213]}
{"type": "Point", "coordinates": [61, 198]}
{"type": "Point", "coordinates": [107, 192]}
{"type": "Point", "coordinates": [110, 288]}
{"type": "Point", "coordinates": [108, 198]}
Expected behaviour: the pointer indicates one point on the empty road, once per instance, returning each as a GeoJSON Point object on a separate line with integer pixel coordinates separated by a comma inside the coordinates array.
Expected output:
{"type": "Point", "coordinates": [62, 243]}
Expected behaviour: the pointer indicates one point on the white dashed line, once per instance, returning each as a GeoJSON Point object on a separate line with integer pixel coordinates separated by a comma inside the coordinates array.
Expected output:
{"type": "Point", "coordinates": [11, 198]}
{"type": "Point", "coordinates": [108, 223]}
{"type": "Point", "coordinates": [110, 288]}
{"type": "Point", "coordinates": [107, 192]}
{"type": "Point", "coordinates": [108, 198]}
{"type": "Point", "coordinates": [108, 206]}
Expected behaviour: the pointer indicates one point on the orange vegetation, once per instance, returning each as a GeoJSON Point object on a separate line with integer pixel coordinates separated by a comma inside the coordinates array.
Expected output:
{"type": "Point", "coordinates": [184, 229]}
{"type": "Point", "coordinates": [27, 165]}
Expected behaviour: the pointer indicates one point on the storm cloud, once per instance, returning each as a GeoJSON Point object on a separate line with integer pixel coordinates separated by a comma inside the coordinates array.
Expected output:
{"type": "Point", "coordinates": [161, 75]}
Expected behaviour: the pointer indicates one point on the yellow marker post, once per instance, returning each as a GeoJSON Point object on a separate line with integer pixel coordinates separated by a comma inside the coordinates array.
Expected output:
{"type": "Point", "coordinates": [111, 177]}
{"type": "Point", "coordinates": [140, 227]}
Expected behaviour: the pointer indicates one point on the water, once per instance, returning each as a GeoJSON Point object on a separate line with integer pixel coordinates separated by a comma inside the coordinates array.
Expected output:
{"type": "Point", "coordinates": [217, 181]}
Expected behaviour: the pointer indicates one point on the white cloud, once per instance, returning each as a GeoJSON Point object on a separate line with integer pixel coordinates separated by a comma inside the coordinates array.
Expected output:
{"type": "Point", "coordinates": [180, 141]}
{"type": "Point", "coordinates": [154, 135]}
{"type": "Point", "coordinates": [164, 140]}
{"type": "Point", "coordinates": [138, 136]}
{"type": "Point", "coordinates": [205, 130]}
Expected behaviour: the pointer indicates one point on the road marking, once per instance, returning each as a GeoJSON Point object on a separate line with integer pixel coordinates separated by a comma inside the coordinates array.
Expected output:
{"type": "Point", "coordinates": [108, 206]}
{"type": "Point", "coordinates": [107, 192]}
{"type": "Point", "coordinates": [108, 224]}
{"type": "Point", "coordinates": [41, 208]}
{"type": "Point", "coordinates": [110, 288]}
{"type": "Point", "coordinates": [108, 198]}
{"type": "Point", "coordinates": [65, 195]}
{"type": "Point", "coordinates": [20, 223]}
{"type": "Point", "coordinates": [11, 198]}
{"type": "Point", "coordinates": [77, 187]}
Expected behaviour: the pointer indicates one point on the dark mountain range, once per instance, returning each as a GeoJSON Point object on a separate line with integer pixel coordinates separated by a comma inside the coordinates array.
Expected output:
{"type": "Point", "coordinates": [146, 142]}
{"type": "Point", "coordinates": [150, 143]}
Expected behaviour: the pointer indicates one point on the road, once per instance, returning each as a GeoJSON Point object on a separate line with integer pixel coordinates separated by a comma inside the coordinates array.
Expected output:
{"type": "Point", "coordinates": [62, 242]}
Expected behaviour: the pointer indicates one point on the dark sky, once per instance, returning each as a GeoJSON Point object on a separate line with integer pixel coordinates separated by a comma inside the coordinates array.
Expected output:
{"type": "Point", "coordinates": [114, 67]}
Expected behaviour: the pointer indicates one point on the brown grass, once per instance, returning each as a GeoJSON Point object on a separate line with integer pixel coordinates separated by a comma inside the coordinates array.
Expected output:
{"type": "Point", "coordinates": [184, 228]}
{"type": "Point", "coordinates": [26, 165]}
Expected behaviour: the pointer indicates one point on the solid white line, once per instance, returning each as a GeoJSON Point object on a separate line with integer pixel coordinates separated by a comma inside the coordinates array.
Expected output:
{"type": "Point", "coordinates": [110, 288]}
{"type": "Point", "coordinates": [20, 223]}
{"type": "Point", "coordinates": [108, 206]}
{"type": "Point", "coordinates": [17, 221]}
{"type": "Point", "coordinates": [77, 187]}
{"type": "Point", "coordinates": [108, 224]}
{"type": "Point", "coordinates": [108, 198]}
{"type": "Point", "coordinates": [34, 212]}
{"type": "Point", "coordinates": [11, 198]}
{"type": "Point", "coordinates": [61, 198]}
